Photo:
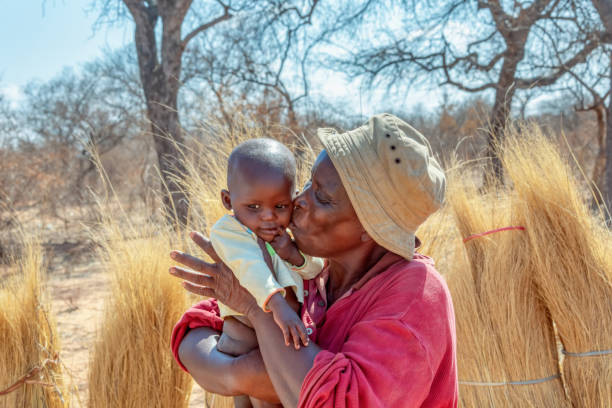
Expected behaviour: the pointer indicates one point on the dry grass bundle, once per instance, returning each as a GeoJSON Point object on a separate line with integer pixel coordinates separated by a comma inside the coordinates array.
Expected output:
{"type": "Point", "coordinates": [131, 364]}
{"type": "Point", "coordinates": [440, 240]}
{"type": "Point", "coordinates": [573, 261]}
{"type": "Point", "coordinates": [504, 334]}
{"type": "Point", "coordinates": [28, 338]}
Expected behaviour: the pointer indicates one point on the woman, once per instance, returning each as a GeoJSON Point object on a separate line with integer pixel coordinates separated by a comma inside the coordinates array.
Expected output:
{"type": "Point", "coordinates": [379, 316]}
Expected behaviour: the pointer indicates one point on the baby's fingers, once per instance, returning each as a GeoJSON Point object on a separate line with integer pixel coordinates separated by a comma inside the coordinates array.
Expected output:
{"type": "Point", "coordinates": [296, 337]}
{"type": "Point", "coordinates": [303, 334]}
{"type": "Point", "coordinates": [286, 334]}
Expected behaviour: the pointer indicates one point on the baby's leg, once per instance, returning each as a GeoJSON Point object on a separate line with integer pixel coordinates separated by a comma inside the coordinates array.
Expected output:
{"type": "Point", "coordinates": [237, 338]}
{"type": "Point", "coordinates": [263, 404]}
{"type": "Point", "coordinates": [242, 401]}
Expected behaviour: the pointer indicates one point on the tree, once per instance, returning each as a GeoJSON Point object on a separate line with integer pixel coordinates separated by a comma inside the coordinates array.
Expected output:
{"type": "Point", "coordinates": [589, 84]}
{"type": "Point", "coordinates": [604, 10]}
{"type": "Point", "coordinates": [270, 68]}
{"type": "Point", "coordinates": [160, 51]}
{"type": "Point", "coordinates": [475, 46]}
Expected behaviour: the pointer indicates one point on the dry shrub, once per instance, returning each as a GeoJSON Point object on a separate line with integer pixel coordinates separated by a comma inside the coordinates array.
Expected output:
{"type": "Point", "coordinates": [573, 262]}
{"type": "Point", "coordinates": [28, 338]}
{"type": "Point", "coordinates": [131, 364]}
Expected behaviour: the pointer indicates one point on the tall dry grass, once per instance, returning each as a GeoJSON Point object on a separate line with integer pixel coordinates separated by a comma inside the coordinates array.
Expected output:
{"type": "Point", "coordinates": [29, 344]}
{"type": "Point", "coordinates": [504, 334]}
{"type": "Point", "coordinates": [131, 364]}
{"type": "Point", "coordinates": [572, 261]}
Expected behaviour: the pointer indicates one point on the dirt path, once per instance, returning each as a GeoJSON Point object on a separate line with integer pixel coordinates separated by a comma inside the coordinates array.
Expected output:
{"type": "Point", "coordinates": [77, 300]}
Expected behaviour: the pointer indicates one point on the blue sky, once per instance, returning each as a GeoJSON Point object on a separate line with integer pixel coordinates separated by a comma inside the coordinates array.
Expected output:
{"type": "Point", "coordinates": [38, 38]}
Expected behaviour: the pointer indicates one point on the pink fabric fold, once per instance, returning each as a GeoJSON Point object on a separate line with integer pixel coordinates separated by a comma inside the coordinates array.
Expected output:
{"type": "Point", "coordinates": [202, 314]}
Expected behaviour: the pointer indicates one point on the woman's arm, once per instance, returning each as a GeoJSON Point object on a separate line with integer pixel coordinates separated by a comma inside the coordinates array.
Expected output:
{"type": "Point", "coordinates": [286, 366]}
{"type": "Point", "coordinates": [223, 374]}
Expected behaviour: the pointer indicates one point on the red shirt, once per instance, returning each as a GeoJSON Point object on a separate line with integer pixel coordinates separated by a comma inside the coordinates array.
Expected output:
{"type": "Point", "coordinates": [388, 342]}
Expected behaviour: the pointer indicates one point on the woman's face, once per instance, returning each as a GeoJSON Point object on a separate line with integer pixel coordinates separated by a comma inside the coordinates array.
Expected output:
{"type": "Point", "coordinates": [324, 223]}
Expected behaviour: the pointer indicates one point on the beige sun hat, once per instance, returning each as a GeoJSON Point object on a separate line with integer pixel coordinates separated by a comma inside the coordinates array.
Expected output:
{"type": "Point", "coordinates": [391, 176]}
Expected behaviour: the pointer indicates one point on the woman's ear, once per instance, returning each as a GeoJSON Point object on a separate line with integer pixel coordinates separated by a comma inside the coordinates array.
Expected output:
{"type": "Point", "coordinates": [226, 200]}
{"type": "Point", "coordinates": [365, 237]}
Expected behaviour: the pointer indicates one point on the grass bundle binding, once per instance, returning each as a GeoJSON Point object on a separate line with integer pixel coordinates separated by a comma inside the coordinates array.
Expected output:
{"type": "Point", "coordinates": [30, 371]}
{"type": "Point", "coordinates": [506, 346]}
{"type": "Point", "coordinates": [131, 364]}
{"type": "Point", "coordinates": [572, 253]}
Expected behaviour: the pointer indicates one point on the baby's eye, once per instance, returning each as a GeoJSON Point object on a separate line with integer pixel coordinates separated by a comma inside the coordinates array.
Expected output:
{"type": "Point", "coordinates": [281, 206]}
{"type": "Point", "coordinates": [253, 206]}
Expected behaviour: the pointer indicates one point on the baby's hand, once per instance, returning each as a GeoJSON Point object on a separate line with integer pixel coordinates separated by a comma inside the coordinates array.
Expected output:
{"type": "Point", "coordinates": [288, 321]}
{"type": "Point", "coordinates": [286, 248]}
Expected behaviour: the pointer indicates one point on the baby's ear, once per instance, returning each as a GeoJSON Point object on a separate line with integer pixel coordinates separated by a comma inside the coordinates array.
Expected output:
{"type": "Point", "coordinates": [226, 200]}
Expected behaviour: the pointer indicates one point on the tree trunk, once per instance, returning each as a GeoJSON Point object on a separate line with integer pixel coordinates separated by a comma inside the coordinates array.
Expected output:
{"type": "Point", "coordinates": [166, 131]}
{"type": "Point", "coordinates": [160, 82]}
{"type": "Point", "coordinates": [606, 183]}
{"type": "Point", "coordinates": [600, 160]}
{"type": "Point", "coordinates": [604, 9]}
{"type": "Point", "coordinates": [500, 115]}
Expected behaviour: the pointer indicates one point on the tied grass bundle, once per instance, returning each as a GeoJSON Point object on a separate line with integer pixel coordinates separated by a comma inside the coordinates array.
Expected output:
{"type": "Point", "coordinates": [504, 334]}
{"type": "Point", "coordinates": [440, 240]}
{"type": "Point", "coordinates": [131, 364]}
{"type": "Point", "coordinates": [573, 261]}
{"type": "Point", "coordinates": [29, 345]}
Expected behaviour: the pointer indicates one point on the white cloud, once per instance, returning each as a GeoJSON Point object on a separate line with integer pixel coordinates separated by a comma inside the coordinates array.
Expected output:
{"type": "Point", "coordinates": [12, 93]}
{"type": "Point", "coordinates": [459, 34]}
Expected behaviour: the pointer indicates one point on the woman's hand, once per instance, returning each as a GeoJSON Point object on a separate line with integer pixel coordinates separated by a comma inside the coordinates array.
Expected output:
{"type": "Point", "coordinates": [211, 279]}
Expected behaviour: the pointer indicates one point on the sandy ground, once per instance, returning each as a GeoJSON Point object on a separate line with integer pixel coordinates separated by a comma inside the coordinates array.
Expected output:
{"type": "Point", "coordinates": [77, 298]}
{"type": "Point", "coordinates": [78, 288]}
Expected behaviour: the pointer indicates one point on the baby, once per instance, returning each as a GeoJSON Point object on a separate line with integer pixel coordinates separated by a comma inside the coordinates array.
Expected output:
{"type": "Point", "coordinates": [254, 242]}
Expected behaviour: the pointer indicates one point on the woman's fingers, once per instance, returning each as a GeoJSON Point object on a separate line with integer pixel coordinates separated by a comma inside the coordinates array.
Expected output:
{"type": "Point", "coordinates": [199, 290]}
{"type": "Point", "coordinates": [205, 244]}
{"type": "Point", "coordinates": [192, 276]}
{"type": "Point", "coordinates": [192, 262]}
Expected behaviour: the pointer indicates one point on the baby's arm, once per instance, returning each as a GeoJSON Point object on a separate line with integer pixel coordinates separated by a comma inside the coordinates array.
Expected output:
{"type": "Point", "coordinates": [242, 254]}
{"type": "Point", "coordinates": [288, 320]}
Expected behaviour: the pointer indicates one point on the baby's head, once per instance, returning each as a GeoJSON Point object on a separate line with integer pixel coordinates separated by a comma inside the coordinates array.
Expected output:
{"type": "Point", "coordinates": [261, 186]}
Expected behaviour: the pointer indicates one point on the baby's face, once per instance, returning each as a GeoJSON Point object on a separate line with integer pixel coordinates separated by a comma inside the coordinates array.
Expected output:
{"type": "Point", "coordinates": [263, 204]}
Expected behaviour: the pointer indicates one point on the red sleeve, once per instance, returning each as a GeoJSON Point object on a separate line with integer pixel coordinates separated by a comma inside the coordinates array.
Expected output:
{"type": "Point", "coordinates": [203, 314]}
{"type": "Point", "coordinates": [371, 370]}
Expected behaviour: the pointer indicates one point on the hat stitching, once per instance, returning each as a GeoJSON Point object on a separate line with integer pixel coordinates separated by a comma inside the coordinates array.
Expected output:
{"type": "Point", "coordinates": [406, 247]}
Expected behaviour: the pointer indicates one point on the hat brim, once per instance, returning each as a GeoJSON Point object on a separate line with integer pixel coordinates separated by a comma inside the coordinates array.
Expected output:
{"type": "Point", "coordinates": [351, 166]}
